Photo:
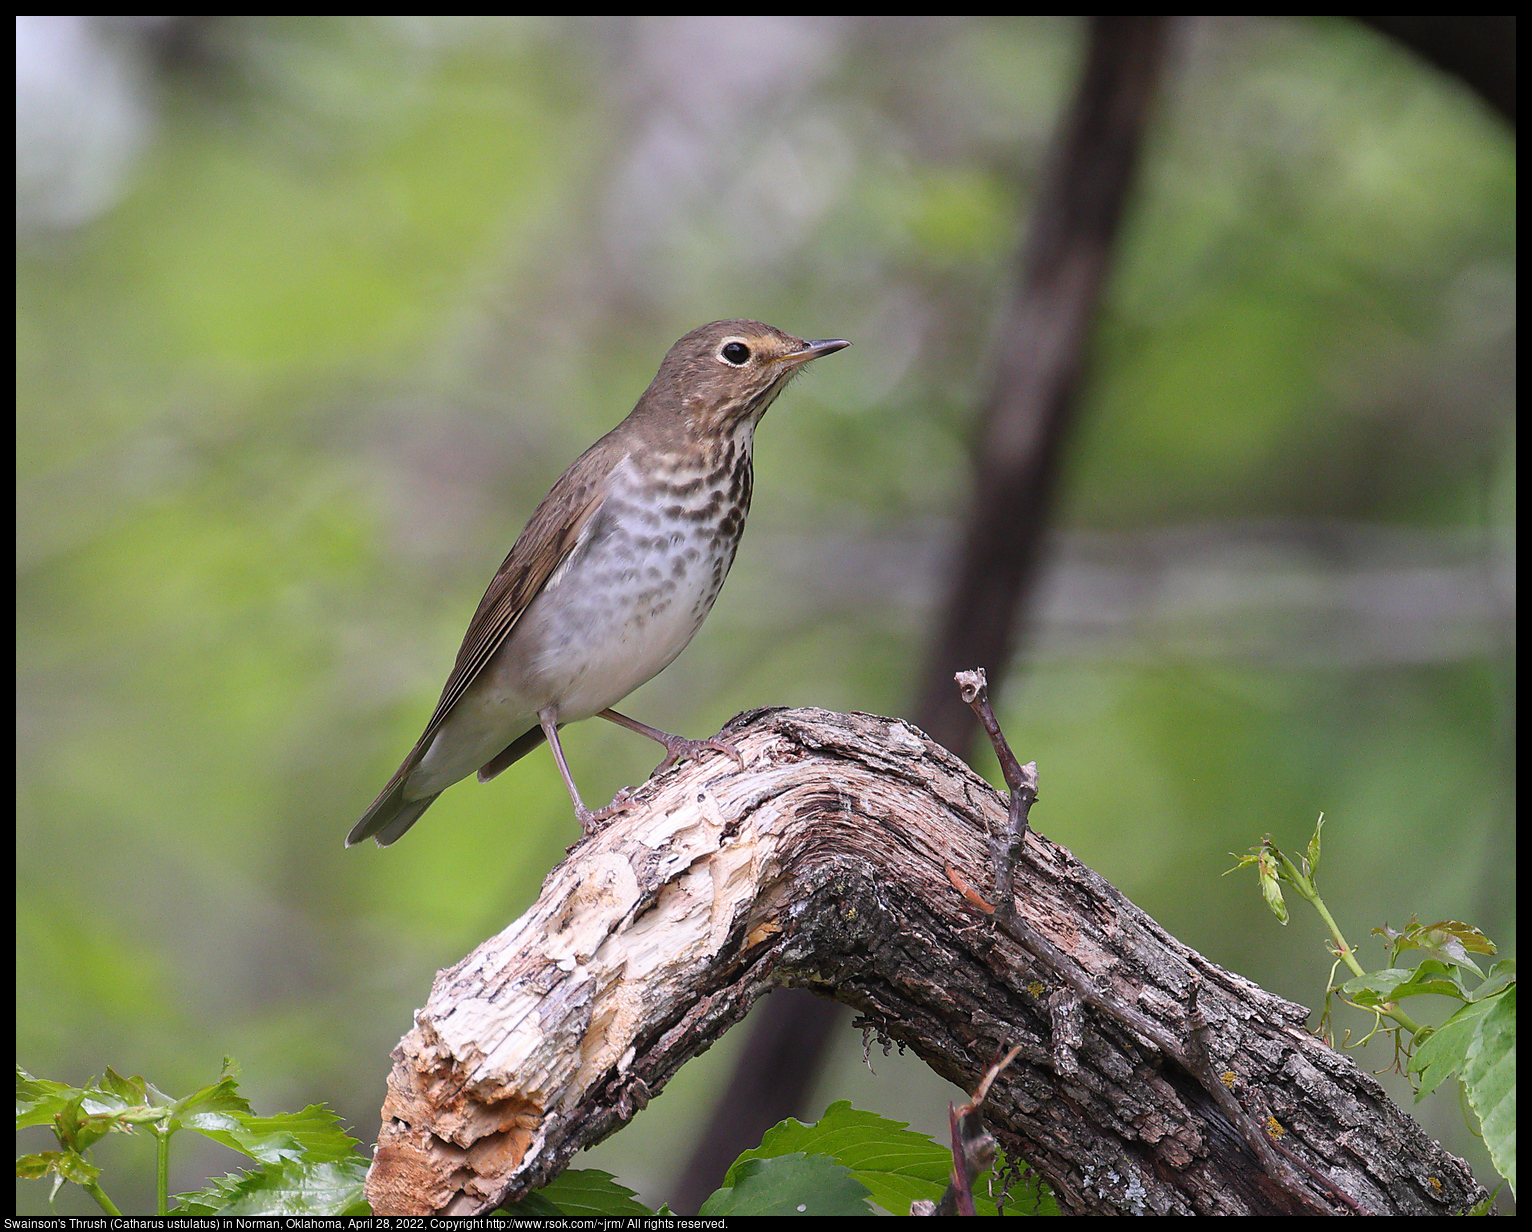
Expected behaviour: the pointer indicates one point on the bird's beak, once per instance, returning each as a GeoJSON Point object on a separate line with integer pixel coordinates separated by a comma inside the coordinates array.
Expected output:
{"type": "Point", "coordinates": [813, 350]}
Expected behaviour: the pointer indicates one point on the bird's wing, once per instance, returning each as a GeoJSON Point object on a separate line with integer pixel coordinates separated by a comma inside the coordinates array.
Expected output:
{"type": "Point", "coordinates": [539, 550]}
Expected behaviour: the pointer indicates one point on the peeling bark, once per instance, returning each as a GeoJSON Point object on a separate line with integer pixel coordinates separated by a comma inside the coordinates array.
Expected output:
{"type": "Point", "coordinates": [824, 864]}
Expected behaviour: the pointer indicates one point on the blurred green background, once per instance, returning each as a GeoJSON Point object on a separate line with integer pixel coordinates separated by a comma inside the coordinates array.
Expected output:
{"type": "Point", "coordinates": [311, 312]}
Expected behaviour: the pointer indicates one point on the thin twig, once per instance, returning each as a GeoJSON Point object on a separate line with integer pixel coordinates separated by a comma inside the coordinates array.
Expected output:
{"type": "Point", "coordinates": [1005, 848]}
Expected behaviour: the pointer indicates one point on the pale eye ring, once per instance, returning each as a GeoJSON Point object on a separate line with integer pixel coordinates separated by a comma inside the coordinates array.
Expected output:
{"type": "Point", "coordinates": [734, 352]}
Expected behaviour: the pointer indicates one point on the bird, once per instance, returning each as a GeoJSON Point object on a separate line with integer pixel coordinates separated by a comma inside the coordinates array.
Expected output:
{"type": "Point", "coordinates": [611, 578]}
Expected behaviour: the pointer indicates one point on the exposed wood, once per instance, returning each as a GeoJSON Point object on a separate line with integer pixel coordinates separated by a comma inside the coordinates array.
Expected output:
{"type": "Point", "coordinates": [825, 864]}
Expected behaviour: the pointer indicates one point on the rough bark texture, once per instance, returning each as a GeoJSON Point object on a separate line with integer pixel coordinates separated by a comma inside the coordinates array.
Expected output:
{"type": "Point", "coordinates": [824, 864]}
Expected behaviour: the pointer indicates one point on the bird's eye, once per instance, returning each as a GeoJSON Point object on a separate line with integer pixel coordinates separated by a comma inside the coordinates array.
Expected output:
{"type": "Point", "coordinates": [735, 353]}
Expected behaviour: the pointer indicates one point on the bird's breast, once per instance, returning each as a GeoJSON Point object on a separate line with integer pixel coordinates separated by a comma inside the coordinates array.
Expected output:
{"type": "Point", "coordinates": [638, 583]}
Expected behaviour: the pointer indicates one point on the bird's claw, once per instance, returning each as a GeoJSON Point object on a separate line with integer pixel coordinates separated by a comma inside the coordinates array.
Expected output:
{"type": "Point", "coordinates": [592, 821]}
{"type": "Point", "coordinates": [678, 747]}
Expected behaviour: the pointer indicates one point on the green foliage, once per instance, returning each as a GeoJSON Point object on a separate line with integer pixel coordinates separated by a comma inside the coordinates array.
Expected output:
{"type": "Point", "coordinates": [1476, 1044]}
{"type": "Point", "coordinates": [896, 1165]}
{"type": "Point", "coordinates": [309, 1165]}
{"type": "Point", "coordinates": [586, 1192]}
{"type": "Point", "coordinates": [287, 1187]}
{"type": "Point", "coordinates": [1489, 1077]}
{"type": "Point", "coordinates": [793, 1184]}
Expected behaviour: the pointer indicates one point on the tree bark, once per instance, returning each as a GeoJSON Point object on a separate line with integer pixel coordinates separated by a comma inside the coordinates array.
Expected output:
{"type": "Point", "coordinates": [828, 863]}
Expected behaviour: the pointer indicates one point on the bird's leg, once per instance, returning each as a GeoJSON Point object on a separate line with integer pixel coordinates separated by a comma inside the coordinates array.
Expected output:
{"type": "Point", "coordinates": [589, 821]}
{"type": "Point", "coordinates": [676, 747]}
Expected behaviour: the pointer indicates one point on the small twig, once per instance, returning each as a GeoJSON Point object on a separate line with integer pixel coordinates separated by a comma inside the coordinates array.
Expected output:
{"type": "Point", "coordinates": [973, 1146]}
{"type": "Point", "coordinates": [1005, 848]}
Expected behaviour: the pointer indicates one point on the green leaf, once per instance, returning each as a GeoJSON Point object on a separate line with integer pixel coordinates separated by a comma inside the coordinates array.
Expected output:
{"type": "Point", "coordinates": [1441, 1054]}
{"type": "Point", "coordinates": [313, 1134]}
{"type": "Point", "coordinates": [794, 1184]}
{"type": "Point", "coordinates": [38, 1101]}
{"type": "Point", "coordinates": [533, 1206]}
{"type": "Point", "coordinates": [33, 1167]}
{"type": "Point", "coordinates": [221, 1097]}
{"type": "Point", "coordinates": [1501, 976]}
{"type": "Point", "coordinates": [292, 1187]}
{"type": "Point", "coordinates": [1489, 1077]}
{"type": "Point", "coordinates": [1395, 983]}
{"type": "Point", "coordinates": [78, 1130]}
{"type": "Point", "coordinates": [583, 1192]}
{"type": "Point", "coordinates": [1452, 941]}
{"type": "Point", "coordinates": [1311, 865]}
{"type": "Point", "coordinates": [1448, 941]}
{"type": "Point", "coordinates": [316, 1129]}
{"type": "Point", "coordinates": [896, 1164]}
{"type": "Point", "coordinates": [132, 1091]}
{"type": "Point", "coordinates": [1271, 889]}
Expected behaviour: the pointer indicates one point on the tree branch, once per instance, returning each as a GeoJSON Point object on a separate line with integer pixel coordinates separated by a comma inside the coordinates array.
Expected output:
{"type": "Point", "coordinates": [824, 864]}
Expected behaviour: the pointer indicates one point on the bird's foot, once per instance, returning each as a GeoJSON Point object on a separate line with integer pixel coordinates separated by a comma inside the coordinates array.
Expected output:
{"type": "Point", "coordinates": [593, 821]}
{"type": "Point", "coordinates": [677, 747]}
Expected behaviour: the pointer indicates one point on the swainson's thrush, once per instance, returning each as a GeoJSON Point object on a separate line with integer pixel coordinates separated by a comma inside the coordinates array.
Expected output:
{"type": "Point", "coordinates": [611, 578]}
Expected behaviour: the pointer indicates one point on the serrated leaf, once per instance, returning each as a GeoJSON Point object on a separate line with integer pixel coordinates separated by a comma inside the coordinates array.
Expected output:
{"type": "Point", "coordinates": [1436, 978]}
{"type": "Point", "coordinates": [795, 1184]}
{"type": "Point", "coordinates": [1396, 983]}
{"type": "Point", "coordinates": [1376, 987]}
{"type": "Point", "coordinates": [1501, 976]}
{"type": "Point", "coordinates": [1450, 941]}
{"type": "Point", "coordinates": [221, 1097]}
{"type": "Point", "coordinates": [313, 1134]}
{"type": "Point", "coordinates": [292, 1187]}
{"type": "Point", "coordinates": [316, 1129]}
{"type": "Point", "coordinates": [1471, 938]}
{"type": "Point", "coordinates": [78, 1130]}
{"type": "Point", "coordinates": [533, 1206]}
{"type": "Point", "coordinates": [586, 1192]}
{"type": "Point", "coordinates": [129, 1090]}
{"type": "Point", "coordinates": [1442, 1054]}
{"type": "Point", "coordinates": [39, 1100]}
{"type": "Point", "coordinates": [32, 1167]}
{"type": "Point", "coordinates": [1489, 1078]}
{"type": "Point", "coordinates": [73, 1167]}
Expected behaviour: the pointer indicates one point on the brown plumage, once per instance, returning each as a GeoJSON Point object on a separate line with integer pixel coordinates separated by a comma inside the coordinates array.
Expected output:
{"type": "Point", "coordinates": [613, 575]}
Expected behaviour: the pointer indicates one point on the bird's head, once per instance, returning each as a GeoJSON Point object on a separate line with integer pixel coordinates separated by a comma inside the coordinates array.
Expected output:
{"type": "Point", "coordinates": [725, 374]}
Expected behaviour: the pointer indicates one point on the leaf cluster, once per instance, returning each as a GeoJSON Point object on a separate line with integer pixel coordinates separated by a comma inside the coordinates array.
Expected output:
{"type": "Point", "coordinates": [1476, 1044]}
{"type": "Point", "coordinates": [307, 1165]}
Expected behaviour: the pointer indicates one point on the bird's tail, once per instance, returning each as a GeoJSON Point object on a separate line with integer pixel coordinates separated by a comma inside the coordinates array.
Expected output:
{"type": "Point", "coordinates": [390, 815]}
